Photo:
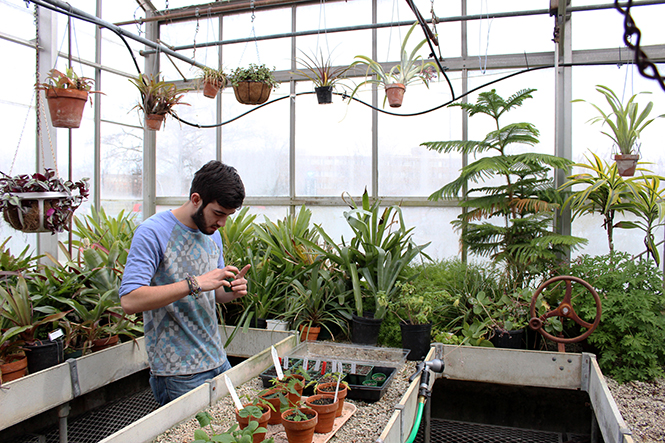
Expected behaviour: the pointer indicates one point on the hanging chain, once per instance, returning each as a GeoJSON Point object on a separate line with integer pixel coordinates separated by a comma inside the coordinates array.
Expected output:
{"type": "Point", "coordinates": [38, 104]}
{"type": "Point", "coordinates": [196, 32]}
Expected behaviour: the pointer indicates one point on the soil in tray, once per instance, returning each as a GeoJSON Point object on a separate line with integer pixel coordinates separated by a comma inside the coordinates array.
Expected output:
{"type": "Point", "coordinates": [272, 372]}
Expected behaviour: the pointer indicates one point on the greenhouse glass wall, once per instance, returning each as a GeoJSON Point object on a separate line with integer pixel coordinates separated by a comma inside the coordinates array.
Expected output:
{"type": "Point", "coordinates": [292, 151]}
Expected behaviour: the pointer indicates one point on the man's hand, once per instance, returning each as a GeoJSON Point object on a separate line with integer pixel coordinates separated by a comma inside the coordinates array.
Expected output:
{"type": "Point", "coordinates": [227, 279]}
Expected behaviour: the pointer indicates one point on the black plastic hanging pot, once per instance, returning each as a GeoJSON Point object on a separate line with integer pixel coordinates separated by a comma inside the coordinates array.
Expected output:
{"type": "Point", "coordinates": [324, 94]}
{"type": "Point", "coordinates": [365, 330]}
{"type": "Point", "coordinates": [417, 339]}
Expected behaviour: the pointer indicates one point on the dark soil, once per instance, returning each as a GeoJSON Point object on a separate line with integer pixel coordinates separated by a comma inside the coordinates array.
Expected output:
{"type": "Point", "coordinates": [323, 401]}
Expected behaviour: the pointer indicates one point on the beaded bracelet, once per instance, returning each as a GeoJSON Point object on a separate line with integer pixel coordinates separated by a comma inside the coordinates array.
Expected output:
{"type": "Point", "coordinates": [194, 287]}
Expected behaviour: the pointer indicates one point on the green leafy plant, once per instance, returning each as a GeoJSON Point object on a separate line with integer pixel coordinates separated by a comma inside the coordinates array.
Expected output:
{"type": "Point", "coordinates": [625, 122]}
{"type": "Point", "coordinates": [604, 192]}
{"type": "Point", "coordinates": [517, 214]}
{"type": "Point", "coordinates": [11, 264]}
{"type": "Point", "coordinates": [630, 338]}
{"type": "Point", "coordinates": [254, 73]}
{"type": "Point", "coordinates": [296, 414]}
{"type": "Point", "coordinates": [57, 211]}
{"type": "Point", "coordinates": [157, 96]}
{"type": "Point", "coordinates": [320, 70]}
{"type": "Point", "coordinates": [411, 69]}
{"type": "Point", "coordinates": [232, 435]}
{"type": "Point", "coordinates": [69, 80]}
{"type": "Point", "coordinates": [411, 307]}
{"type": "Point", "coordinates": [215, 76]}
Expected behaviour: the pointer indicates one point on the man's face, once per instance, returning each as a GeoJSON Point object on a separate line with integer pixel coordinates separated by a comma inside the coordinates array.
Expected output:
{"type": "Point", "coordinates": [211, 217]}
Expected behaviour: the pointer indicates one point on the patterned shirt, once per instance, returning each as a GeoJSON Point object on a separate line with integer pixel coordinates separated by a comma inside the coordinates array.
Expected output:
{"type": "Point", "coordinates": [183, 337]}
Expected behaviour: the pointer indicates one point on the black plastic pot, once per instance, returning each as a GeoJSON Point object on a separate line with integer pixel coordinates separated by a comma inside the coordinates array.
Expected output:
{"type": "Point", "coordinates": [508, 339]}
{"type": "Point", "coordinates": [44, 354]}
{"type": "Point", "coordinates": [365, 330]}
{"type": "Point", "coordinates": [417, 339]}
{"type": "Point", "coordinates": [259, 323]}
{"type": "Point", "coordinates": [324, 94]}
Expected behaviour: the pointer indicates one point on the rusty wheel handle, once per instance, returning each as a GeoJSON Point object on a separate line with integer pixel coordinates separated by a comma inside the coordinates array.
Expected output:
{"type": "Point", "coordinates": [565, 309]}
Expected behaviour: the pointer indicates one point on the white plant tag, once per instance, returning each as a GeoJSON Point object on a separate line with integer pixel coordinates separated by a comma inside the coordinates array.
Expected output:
{"type": "Point", "coordinates": [275, 361]}
{"type": "Point", "coordinates": [353, 368]}
{"type": "Point", "coordinates": [337, 388]}
{"type": "Point", "coordinates": [317, 365]}
{"type": "Point", "coordinates": [305, 364]}
{"type": "Point", "coordinates": [232, 391]}
{"type": "Point", "coordinates": [53, 336]}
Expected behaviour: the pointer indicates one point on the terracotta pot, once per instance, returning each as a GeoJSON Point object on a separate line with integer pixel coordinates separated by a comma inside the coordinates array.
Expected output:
{"type": "Point", "coordinates": [66, 106]}
{"type": "Point", "coordinates": [276, 414]}
{"type": "Point", "coordinates": [103, 343]}
{"type": "Point", "coordinates": [154, 121]}
{"type": "Point", "coordinates": [309, 333]}
{"type": "Point", "coordinates": [263, 421]}
{"type": "Point", "coordinates": [329, 388]}
{"type": "Point", "coordinates": [300, 431]}
{"type": "Point", "coordinates": [252, 93]}
{"type": "Point", "coordinates": [16, 367]}
{"type": "Point", "coordinates": [211, 88]}
{"type": "Point", "coordinates": [626, 164]}
{"type": "Point", "coordinates": [326, 412]}
{"type": "Point", "coordinates": [395, 93]}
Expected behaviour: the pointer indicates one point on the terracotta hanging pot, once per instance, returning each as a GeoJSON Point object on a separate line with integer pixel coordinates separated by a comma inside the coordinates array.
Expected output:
{"type": "Point", "coordinates": [66, 106]}
{"type": "Point", "coordinates": [16, 367]}
{"type": "Point", "coordinates": [300, 431]}
{"type": "Point", "coordinates": [252, 93]}
{"type": "Point", "coordinates": [626, 164]}
{"type": "Point", "coordinates": [263, 421]}
{"type": "Point", "coordinates": [324, 94]}
{"type": "Point", "coordinates": [309, 333]}
{"type": "Point", "coordinates": [103, 343]}
{"type": "Point", "coordinates": [211, 88]}
{"type": "Point", "coordinates": [329, 389]}
{"type": "Point", "coordinates": [154, 121]}
{"type": "Point", "coordinates": [395, 94]}
{"type": "Point", "coordinates": [272, 397]}
{"type": "Point", "coordinates": [326, 408]}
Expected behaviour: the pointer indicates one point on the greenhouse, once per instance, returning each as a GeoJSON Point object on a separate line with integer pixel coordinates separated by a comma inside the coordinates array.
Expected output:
{"type": "Point", "coordinates": [346, 221]}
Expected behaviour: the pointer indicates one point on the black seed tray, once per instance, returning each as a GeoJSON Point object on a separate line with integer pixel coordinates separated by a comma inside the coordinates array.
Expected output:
{"type": "Point", "coordinates": [372, 393]}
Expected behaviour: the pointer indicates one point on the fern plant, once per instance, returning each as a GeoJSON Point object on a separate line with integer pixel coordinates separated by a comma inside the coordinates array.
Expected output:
{"type": "Point", "coordinates": [510, 222]}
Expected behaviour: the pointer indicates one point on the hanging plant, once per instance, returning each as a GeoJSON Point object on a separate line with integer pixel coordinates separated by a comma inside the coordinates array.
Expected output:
{"type": "Point", "coordinates": [252, 85]}
{"type": "Point", "coordinates": [412, 68]}
{"type": "Point", "coordinates": [158, 99]}
{"type": "Point", "coordinates": [40, 202]}
{"type": "Point", "coordinates": [321, 72]}
{"type": "Point", "coordinates": [213, 80]}
{"type": "Point", "coordinates": [66, 95]}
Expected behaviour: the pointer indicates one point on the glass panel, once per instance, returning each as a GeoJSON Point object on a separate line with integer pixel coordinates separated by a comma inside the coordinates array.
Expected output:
{"type": "Point", "coordinates": [333, 146]}
{"type": "Point", "coordinates": [115, 11]}
{"type": "Point", "coordinates": [182, 149]}
{"type": "Point", "coordinates": [17, 20]}
{"type": "Point", "coordinates": [433, 225]}
{"type": "Point", "coordinates": [257, 144]}
{"type": "Point", "coordinates": [119, 98]}
{"type": "Point", "coordinates": [333, 15]}
{"type": "Point", "coordinates": [498, 35]}
{"type": "Point", "coordinates": [405, 167]}
{"type": "Point", "coordinates": [122, 157]}
{"type": "Point", "coordinates": [116, 54]}
{"type": "Point", "coordinates": [341, 47]}
{"type": "Point", "coordinates": [189, 33]}
{"type": "Point", "coordinates": [82, 40]}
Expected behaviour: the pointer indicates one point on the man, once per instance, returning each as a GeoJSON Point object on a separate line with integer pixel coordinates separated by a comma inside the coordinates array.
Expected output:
{"type": "Point", "coordinates": [175, 273]}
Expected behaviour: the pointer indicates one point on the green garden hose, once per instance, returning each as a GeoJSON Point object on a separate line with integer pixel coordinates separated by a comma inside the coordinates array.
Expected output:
{"type": "Point", "coordinates": [416, 425]}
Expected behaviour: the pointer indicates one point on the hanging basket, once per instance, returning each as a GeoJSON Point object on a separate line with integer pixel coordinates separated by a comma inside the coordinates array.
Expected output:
{"type": "Point", "coordinates": [626, 164]}
{"type": "Point", "coordinates": [154, 121]}
{"type": "Point", "coordinates": [38, 204]}
{"type": "Point", "coordinates": [211, 89]}
{"type": "Point", "coordinates": [324, 94]}
{"type": "Point", "coordinates": [252, 93]}
{"type": "Point", "coordinates": [395, 94]}
{"type": "Point", "coordinates": [66, 106]}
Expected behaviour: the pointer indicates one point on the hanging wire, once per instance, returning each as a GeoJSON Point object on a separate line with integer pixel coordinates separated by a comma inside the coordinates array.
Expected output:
{"type": "Point", "coordinates": [483, 66]}
{"type": "Point", "coordinates": [139, 22]}
{"type": "Point", "coordinates": [322, 12]}
{"type": "Point", "coordinates": [252, 35]}
{"type": "Point", "coordinates": [196, 32]}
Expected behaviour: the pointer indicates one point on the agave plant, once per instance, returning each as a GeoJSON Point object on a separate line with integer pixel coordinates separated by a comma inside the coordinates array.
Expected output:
{"type": "Point", "coordinates": [157, 96]}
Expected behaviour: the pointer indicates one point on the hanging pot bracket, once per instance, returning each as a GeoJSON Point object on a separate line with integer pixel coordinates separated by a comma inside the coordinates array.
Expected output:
{"type": "Point", "coordinates": [40, 198]}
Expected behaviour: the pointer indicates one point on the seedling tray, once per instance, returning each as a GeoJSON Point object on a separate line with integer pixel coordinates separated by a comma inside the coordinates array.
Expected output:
{"type": "Point", "coordinates": [372, 393]}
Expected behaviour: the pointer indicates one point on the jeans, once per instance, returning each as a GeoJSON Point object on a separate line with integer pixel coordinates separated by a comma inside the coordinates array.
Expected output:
{"type": "Point", "coordinates": [168, 388]}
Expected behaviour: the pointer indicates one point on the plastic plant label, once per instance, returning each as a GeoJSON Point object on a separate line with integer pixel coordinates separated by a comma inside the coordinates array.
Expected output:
{"type": "Point", "coordinates": [232, 391]}
{"type": "Point", "coordinates": [317, 365]}
{"type": "Point", "coordinates": [305, 364]}
{"type": "Point", "coordinates": [275, 361]}
{"type": "Point", "coordinates": [337, 389]}
{"type": "Point", "coordinates": [53, 336]}
{"type": "Point", "coordinates": [353, 368]}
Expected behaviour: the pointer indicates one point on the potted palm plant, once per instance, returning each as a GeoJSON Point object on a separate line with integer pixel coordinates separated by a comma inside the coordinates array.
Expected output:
{"type": "Point", "coordinates": [158, 98]}
{"type": "Point", "coordinates": [40, 202]}
{"type": "Point", "coordinates": [66, 95]}
{"type": "Point", "coordinates": [213, 80]}
{"type": "Point", "coordinates": [626, 124]}
{"type": "Point", "coordinates": [411, 69]}
{"type": "Point", "coordinates": [252, 85]}
{"type": "Point", "coordinates": [321, 72]}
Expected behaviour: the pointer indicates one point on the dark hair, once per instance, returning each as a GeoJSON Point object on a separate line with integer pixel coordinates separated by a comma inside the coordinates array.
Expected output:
{"type": "Point", "coordinates": [218, 182]}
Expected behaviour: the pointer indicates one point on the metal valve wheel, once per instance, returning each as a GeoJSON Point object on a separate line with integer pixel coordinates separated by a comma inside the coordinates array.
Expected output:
{"type": "Point", "coordinates": [565, 309]}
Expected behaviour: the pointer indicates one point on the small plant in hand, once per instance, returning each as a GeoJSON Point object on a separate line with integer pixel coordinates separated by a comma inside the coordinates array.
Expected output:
{"type": "Point", "coordinates": [57, 212]}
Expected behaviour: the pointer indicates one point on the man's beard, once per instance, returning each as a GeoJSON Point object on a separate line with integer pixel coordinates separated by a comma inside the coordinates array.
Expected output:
{"type": "Point", "coordinates": [199, 220]}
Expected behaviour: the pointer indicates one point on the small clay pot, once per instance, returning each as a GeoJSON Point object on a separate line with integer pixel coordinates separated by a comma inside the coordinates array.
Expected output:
{"type": "Point", "coordinates": [326, 411]}
{"type": "Point", "coordinates": [263, 421]}
{"type": "Point", "coordinates": [300, 431]}
{"type": "Point", "coordinates": [275, 414]}
{"type": "Point", "coordinates": [329, 389]}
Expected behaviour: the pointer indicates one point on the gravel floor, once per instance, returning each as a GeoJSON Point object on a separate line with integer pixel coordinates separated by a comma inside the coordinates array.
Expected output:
{"type": "Point", "coordinates": [642, 406]}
